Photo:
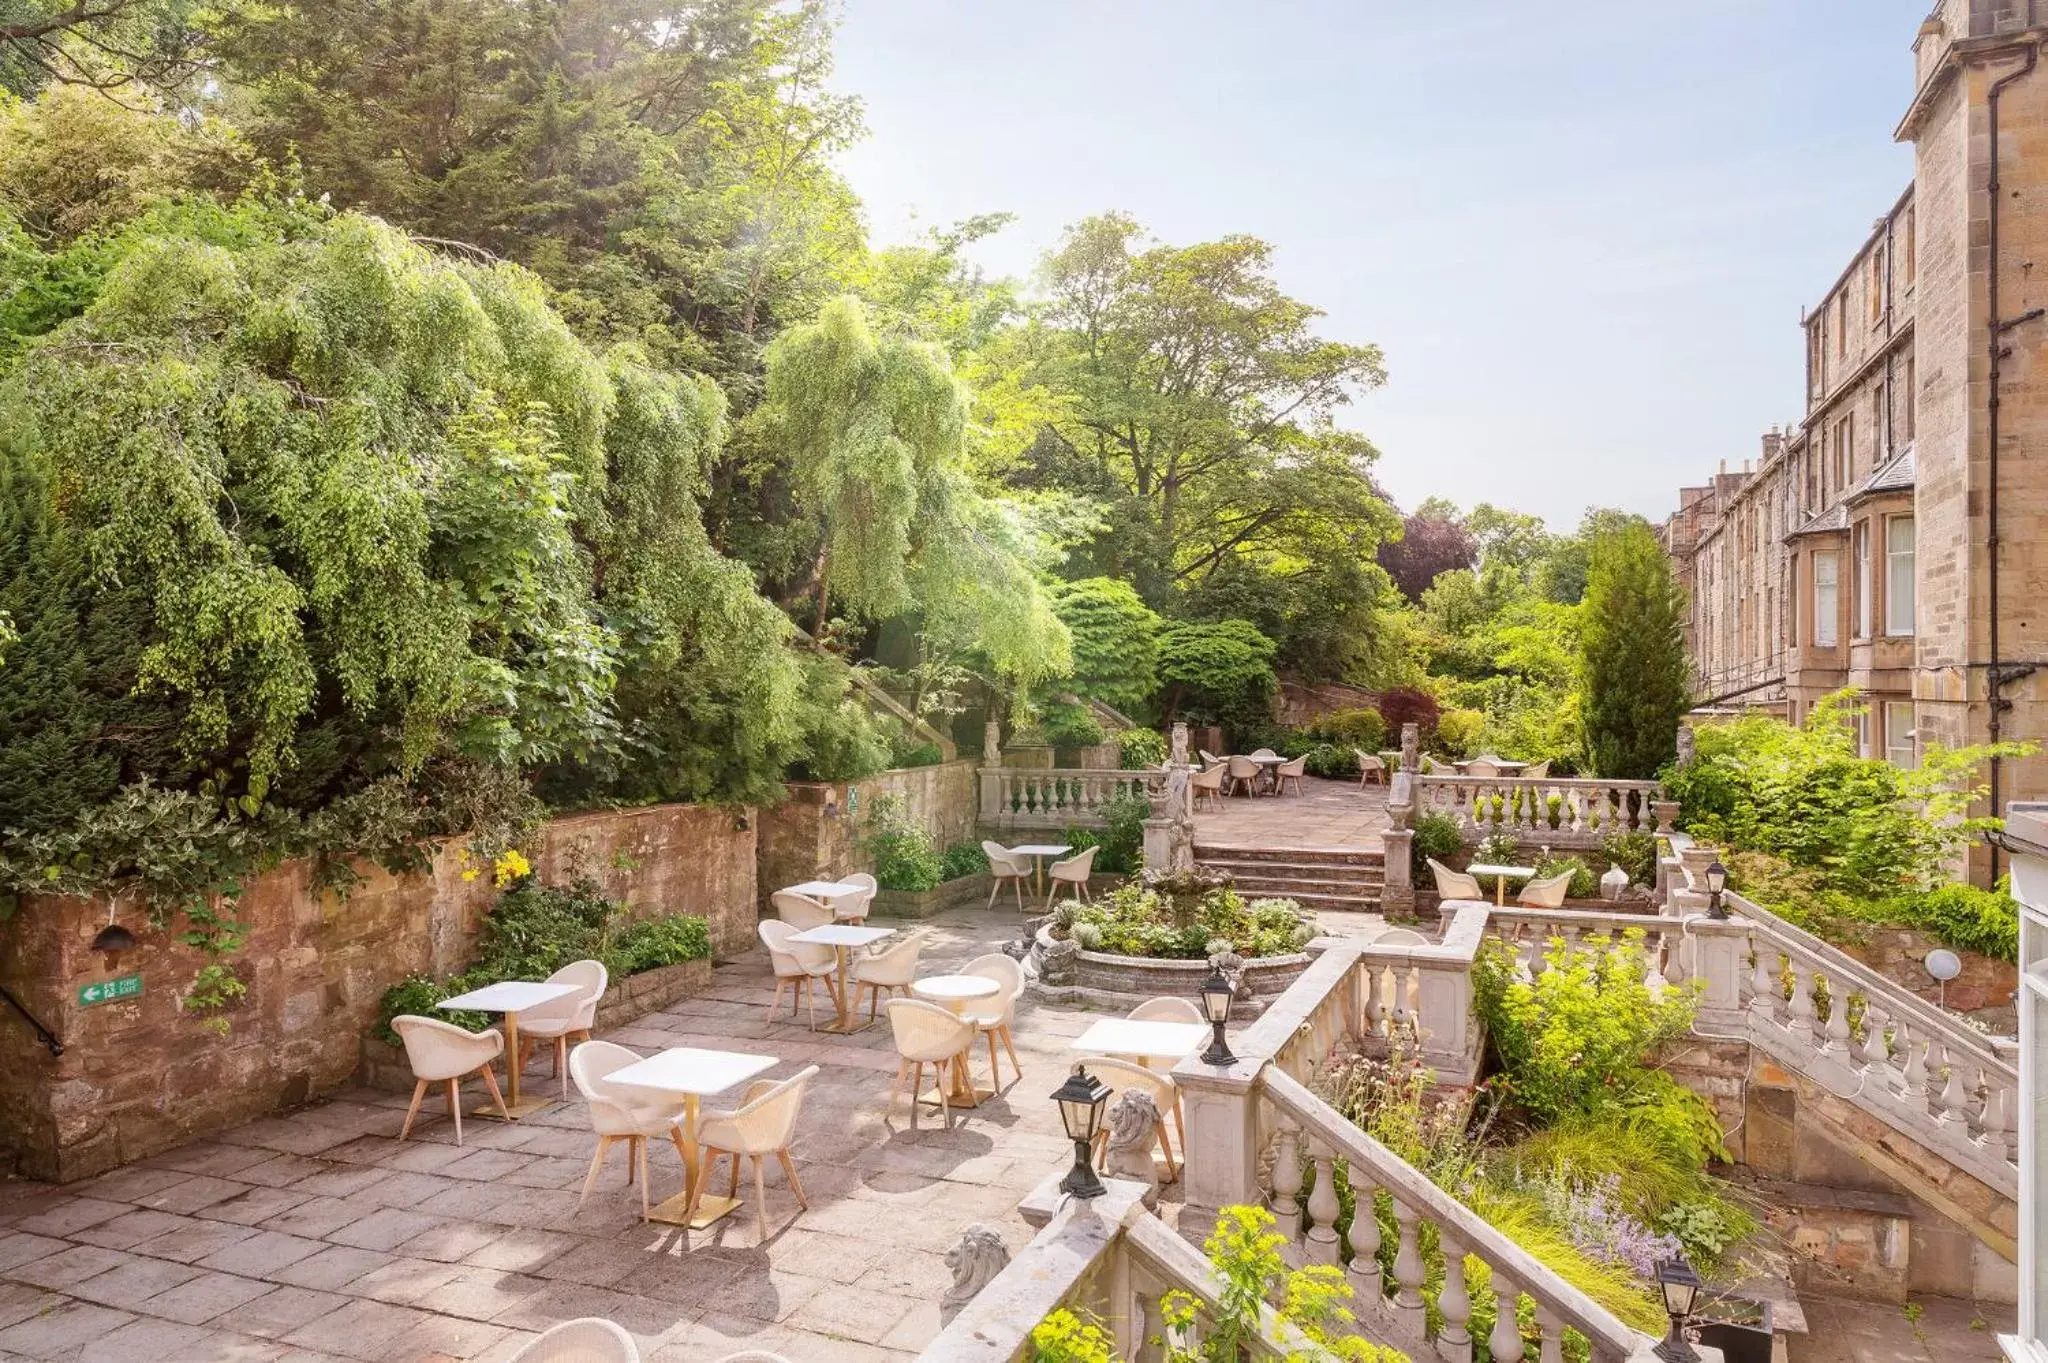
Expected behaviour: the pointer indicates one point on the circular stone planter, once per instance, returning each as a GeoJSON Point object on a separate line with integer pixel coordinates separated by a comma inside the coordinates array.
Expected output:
{"type": "Point", "coordinates": [1123, 982]}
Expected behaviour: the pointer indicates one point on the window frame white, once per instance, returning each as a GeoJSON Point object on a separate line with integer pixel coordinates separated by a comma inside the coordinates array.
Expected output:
{"type": "Point", "coordinates": [1894, 598]}
{"type": "Point", "coordinates": [1901, 723]}
{"type": "Point", "coordinates": [1827, 623]}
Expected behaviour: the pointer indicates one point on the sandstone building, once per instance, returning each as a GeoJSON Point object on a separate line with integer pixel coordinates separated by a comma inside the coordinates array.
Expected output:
{"type": "Point", "coordinates": [1894, 540]}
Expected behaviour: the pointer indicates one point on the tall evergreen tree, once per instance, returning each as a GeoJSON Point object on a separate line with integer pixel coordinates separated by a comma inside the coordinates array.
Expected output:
{"type": "Point", "coordinates": [1635, 682]}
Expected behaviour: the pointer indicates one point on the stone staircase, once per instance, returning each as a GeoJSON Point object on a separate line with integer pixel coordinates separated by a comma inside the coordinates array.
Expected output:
{"type": "Point", "coordinates": [1336, 879]}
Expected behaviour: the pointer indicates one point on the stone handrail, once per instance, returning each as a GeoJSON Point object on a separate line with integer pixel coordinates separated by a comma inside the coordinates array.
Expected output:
{"type": "Point", "coordinates": [1110, 1261]}
{"type": "Point", "coordinates": [1531, 930]}
{"type": "Point", "coordinates": [1828, 1016]}
{"type": "Point", "coordinates": [1309, 1131]}
{"type": "Point", "coordinates": [1019, 797]}
{"type": "Point", "coordinates": [1587, 810]}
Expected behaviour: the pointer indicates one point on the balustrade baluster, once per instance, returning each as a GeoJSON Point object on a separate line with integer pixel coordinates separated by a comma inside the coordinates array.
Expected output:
{"type": "Point", "coordinates": [2001, 1132]}
{"type": "Point", "coordinates": [1764, 990]}
{"type": "Point", "coordinates": [1874, 1050]}
{"type": "Point", "coordinates": [1505, 1340]}
{"type": "Point", "coordinates": [1287, 1182]}
{"type": "Point", "coordinates": [1375, 999]}
{"type": "Point", "coordinates": [1800, 1015]}
{"type": "Point", "coordinates": [1322, 1206]}
{"type": "Point", "coordinates": [1914, 1083]}
{"type": "Point", "coordinates": [1550, 1344]}
{"type": "Point", "coordinates": [1835, 1035]}
{"type": "Point", "coordinates": [1953, 1107]}
{"type": "Point", "coordinates": [1408, 1272]}
{"type": "Point", "coordinates": [1454, 1304]}
{"type": "Point", "coordinates": [1364, 1238]}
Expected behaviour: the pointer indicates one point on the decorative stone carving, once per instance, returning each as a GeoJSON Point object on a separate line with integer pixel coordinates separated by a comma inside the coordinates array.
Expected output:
{"type": "Point", "coordinates": [1056, 965]}
{"type": "Point", "coordinates": [976, 1258]}
{"type": "Point", "coordinates": [992, 744]}
{"type": "Point", "coordinates": [1133, 1131]}
{"type": "Point", "coordinates": [1411, 748]}
{"type": "Point", "coordinates": [1686, 751]}
{"type": "Point", "coordinates": [1613, 883]}
{"type": "Point", "coordinates": [1179, 755]}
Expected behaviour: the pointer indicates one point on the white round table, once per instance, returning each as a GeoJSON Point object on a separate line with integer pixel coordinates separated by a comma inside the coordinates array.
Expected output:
{"type": "Point", "coordinates": [954, 992]}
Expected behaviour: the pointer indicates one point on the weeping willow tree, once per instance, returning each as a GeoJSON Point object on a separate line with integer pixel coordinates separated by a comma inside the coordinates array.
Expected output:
{"type": "Point", "coordinates": [873, 429]}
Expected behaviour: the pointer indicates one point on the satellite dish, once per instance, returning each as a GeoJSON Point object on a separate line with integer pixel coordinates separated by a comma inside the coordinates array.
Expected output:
{"type": "Point", "coordinates": [1943, 964]}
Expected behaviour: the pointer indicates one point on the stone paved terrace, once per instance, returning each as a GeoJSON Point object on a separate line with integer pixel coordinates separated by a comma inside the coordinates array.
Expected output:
{"type": "Point", "coordinates": [1327, 814]}
{"type": "Point", "coordinates": [317, 1235]}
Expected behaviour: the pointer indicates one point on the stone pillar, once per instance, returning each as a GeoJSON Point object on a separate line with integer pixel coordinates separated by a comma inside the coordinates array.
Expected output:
{"type": "Point", "coordinates": [1689, 889]}
{"type": "Point", "coordinates": [1221, 1156]}
{"type": "Point", "coordinates": [1397, 893]}
{"type": "Point", "coordinates": [1717, 951]}
{"type": "Point", "coordinates": [1450, 1036]}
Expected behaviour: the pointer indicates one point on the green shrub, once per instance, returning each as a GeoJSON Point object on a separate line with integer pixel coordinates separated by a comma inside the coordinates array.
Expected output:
{"type": "Point", "coordinates": [1458, 731]}
{"type": "Point", "coordinates": [1436, 835]}
{"type": "Point", "coordinates": [963, 859]}
{"type": "Point", "coordinates": [1067, 726]}
{"type": "Point", "coordinates": [1964, 917]}
{"type": "Point", "coordinates": [1132, 921]}
{"type": "Point", "coordinates": [901, 847]}
{"type": "Point", "coordinates": [1138, 748]}
{"type": "Point", "coordinates": [535, 929]}
{"type": "Point", "coordinates": [1123, 834]}
{"type": "Point", "coordinates": [1585, 885]}
{"type": "Point", "coordinates": [917, 755]}
{"type": "Point", "coordinates": [1635, 853]}
{"type": "Point", "coordinates": [656, 942]}
{"type": "Point", "coordinates": [419, 996]}
{"type": "Point", "coordinates": [1359, 728]}
{"type": "Point", "coordinates": [1331, 761]}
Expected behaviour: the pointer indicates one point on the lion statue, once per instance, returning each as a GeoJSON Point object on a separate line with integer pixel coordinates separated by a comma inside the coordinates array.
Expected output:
{"type": "Point", "coordinates": [1133, 1131]}
{"type": "Point", "coordinates": [976, 1257]}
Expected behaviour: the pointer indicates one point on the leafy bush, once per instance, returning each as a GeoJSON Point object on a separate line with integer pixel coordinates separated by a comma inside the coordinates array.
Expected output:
{"type": "Point", "coordinates": [962, 859]}
{"type": "Point", "coordinates": [1123, 834]}
{"type": "Point", "coordinates": [1436, 835]}
{"type": "Point", "coordinates": [653, 943]}
{"type": "Point", "coordinates": [1585, 885]}
{"type": "Point", "coordinates": [535, 929]}
{"type": "Point", "coordinates": [901, 847]}
{"type": "Point", "coordinates": [917, 755]}
{"type": "Point", "coordinates": [1067, 726]}
{"type": "Point", "coordinates": [1138, 748]}
{"type": "Point", "coordinates": [1359, 728]}
{"type": "Point", "coordinates": [420, 996]}
{"type": "Point", "coordinates": [1960, 916]}
{"type": "Point", "coordinates": [1407, 705]}
{"type": "Point", "coordinates": [1963, 916]}
{"type": "Point", "coordinates": [1495, 849]}
{"type": "Point", "coordinates": [1458, 731]}
{"type": "Point", "coordinates": [1132, 921]}
{"type": "Point", "coordinates": [1331, 761]}
{"type": "Point", "coordinates": [1635, 853]}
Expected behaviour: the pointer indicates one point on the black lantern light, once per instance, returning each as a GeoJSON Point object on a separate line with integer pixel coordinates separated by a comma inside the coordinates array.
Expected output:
{"type": "Point", "coordinates": [1717, 881]}
{"type": "Point", "coordinates": [1217, 995]}
{"type": "Point", "coordinates": [1081, 1100]}
{"type": "Point", "coordinates": [1681, 1288]}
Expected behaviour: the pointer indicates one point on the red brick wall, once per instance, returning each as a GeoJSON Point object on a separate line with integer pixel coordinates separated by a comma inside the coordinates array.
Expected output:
{"type": "Point", "coordinates": [139, 1076]}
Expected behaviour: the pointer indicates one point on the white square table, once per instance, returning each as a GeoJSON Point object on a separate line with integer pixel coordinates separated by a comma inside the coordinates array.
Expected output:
{"type": "Point", "coordinates": [1037, 851]}
{"type": "Point", "coordinates": [827, 890]}
{"type": "Point", "coordinates": [691, 1073]}
{"type": "Point", "coordinates": [510, 997]}
{"type": "Point", "coordinates": [953, 993]}
{"type": "Point", "coordinates": [1501, 875]}
{"type": "Point", "coordinates": [1141, 1040]}
{"type": "Point", "coordinates": [842, 938]}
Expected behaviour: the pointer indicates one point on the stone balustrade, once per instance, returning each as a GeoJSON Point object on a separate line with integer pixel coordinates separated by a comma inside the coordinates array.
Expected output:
{"type": "Point", "coordinates": [1016, 797]}
{"type": "Point", "coordinates": [1530, 932]}
{"type": "Point", "coordinates": [1555, 811]}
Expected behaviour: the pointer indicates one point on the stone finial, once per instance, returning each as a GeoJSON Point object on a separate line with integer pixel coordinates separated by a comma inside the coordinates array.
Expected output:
{"type": "Point", "coordinates": [1133, 1131]}
{"type": "Point", "coordinates": [992, 743]}
{"type": "Point", "coordinates": [976, 1258]}
{"type": "Point", "coordinates": [1179, 755]}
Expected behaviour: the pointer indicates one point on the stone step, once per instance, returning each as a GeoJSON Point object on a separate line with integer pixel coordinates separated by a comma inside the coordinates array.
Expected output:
{"type": "Point", "coordinates": [1207, 853]}
{"type": "Point", "coordinates": [1336, 903]}
{"type": "Point", "coordinates": [1326, 884]}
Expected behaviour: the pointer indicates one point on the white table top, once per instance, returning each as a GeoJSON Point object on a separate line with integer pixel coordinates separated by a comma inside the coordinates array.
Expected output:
{"type": "Point", "coordinates": [1153, 1040]}
{"type": "Point", "coordinates": [1042, 849]}
{"type": "Point", "coordinates": [686, 1069]}
{"type": "Point", "coordinates": [841, 935]}
{"type": "Point", "coordinates": [508, 996]}
{"type": "Point", "coordinates": [1487, 869]}
{"type": "Point", "coordinates": [954, 987]}
{"type": "Point", "coordinates": [826, 889]}
{"type": "Point", "coordinates": [1270, 760]}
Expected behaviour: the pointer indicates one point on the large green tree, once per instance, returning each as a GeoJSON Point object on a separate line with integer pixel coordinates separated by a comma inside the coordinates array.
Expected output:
{"type": "Point", "coordinates": [1635, 680]}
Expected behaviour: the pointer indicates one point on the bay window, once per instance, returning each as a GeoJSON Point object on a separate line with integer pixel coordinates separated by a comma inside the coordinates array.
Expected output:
{"type": "Point", "coordinates": [1898, 575]}
{"type": "Point", "coordinates": [1827, 567]}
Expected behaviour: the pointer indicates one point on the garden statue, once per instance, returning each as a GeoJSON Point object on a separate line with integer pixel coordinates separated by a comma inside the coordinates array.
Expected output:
{"type": "Point", "coordinates": [1133, 1131]}
{"type": "Point", "coordinates": [1179, 755]}
{"type": "Point", "coordinates": [976, 1258]}
{"type": "Point", "coordinates": [1686, 750]}
{"type": "Point", "coordinates": [992, 744]}
{"type": "Point", "coordinates": [1411, 747]}
{"type": "Point", "coordinates": [1056, 964]}
{"type": "Point", "coordinates": [1613, 883]}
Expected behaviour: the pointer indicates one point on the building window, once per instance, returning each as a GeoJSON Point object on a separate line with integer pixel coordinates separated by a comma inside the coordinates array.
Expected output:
{"type": "Point", "coordinates": [1845, 451]}
{"type": "Point", "coordinates": [1898, 575]}
{"type": "Point", "coordinates": [1912, 246]}
{"type": "Point", "coordinates": [1863, 732]}
{"type": "Point", "coordinates": [1792, 601]}
{"type": "Point", "coordinates": [1827, 567]}
{"type": "Point", "coordinates": [1899, 747]}
{"type": "Point", "coordinates": [1842, 324]}
{"type": "Point", "coordinates": [1859, 582]}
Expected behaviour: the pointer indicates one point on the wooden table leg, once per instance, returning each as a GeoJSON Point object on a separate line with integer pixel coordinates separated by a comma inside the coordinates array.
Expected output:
{"type": "Point", "coordinates": [846, 1021]}
{"type": "Point", "coordinates": [515, 1106]}
{"type": "Point", "coordinates": [692, 1207]}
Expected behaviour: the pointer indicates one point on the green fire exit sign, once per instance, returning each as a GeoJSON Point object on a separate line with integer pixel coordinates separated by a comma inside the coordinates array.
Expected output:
{"type": "Point", "coordinates": [106, 991]}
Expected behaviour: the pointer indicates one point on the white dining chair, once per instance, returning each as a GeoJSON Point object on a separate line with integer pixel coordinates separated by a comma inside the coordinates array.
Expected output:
{"type": "Point", "coordinates": [1547, 893]}
{"type": "Point", "coordinates": [589, 1340]}
{"type": "Point", "coordinates": [1370, 768]}
{"type": "Point", "coordinates": [561, 1020]}
{"type": "Point", "coordinates": [800, 962]}
{"type": "Point", "coordinates": [1126, 1074]}
{"type": "Point", "coordinates": [1003, 864]}
{"type": "Point", "coordinates": [853, 908]}
{"type": "Point", "coordinates": [926, 1034]}
{"type": "Point", "coordinates": [1073, 872]}
{"type": "Point", "coordinates": [441, 1052]}
{"type": "Point", "coordinates": [763, 1124]}
{"type": "Point", "coordinates": [1453, 884]}
{"type": "Point", "coordinates": [886, 972]}
{"type": "Point", "coordinates": [994, 1015]}
{"type": "Point", "coordinates": [1166, 1008]}
{"type": "Point", "coordinates": [1242, 771]}
{"type": "Point", "coordinates": [1207, 784]}
{"type": "Point", "coordinates": [800, 911]}
{"type": "Point", "coordinates": [1290, 771]}
{"type": "Point", "coordinates": [618, 1113]}
{"type": "Point", "coordinates": [1486, 769]}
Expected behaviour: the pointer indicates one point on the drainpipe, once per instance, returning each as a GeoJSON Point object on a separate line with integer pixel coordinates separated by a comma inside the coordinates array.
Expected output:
{"type": "Point", "coordinates": [1995, 678]}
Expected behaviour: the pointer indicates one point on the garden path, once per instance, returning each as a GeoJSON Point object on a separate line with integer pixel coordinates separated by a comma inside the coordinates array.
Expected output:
{"type": "Point", "coordinates": [316, 1235]}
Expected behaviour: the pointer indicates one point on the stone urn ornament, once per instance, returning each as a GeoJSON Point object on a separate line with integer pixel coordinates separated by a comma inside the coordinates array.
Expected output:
{"type": "Point", "coordinates": [1613, 883]}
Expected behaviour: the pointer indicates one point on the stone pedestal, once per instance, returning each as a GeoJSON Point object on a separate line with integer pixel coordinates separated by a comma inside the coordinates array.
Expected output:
{"type": "Point", "coordinates": [1397, 894]}
{"type": "Point", "coordinates": [1717, 952]}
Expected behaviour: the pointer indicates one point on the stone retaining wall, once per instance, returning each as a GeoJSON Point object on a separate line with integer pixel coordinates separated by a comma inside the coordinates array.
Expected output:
{"type": "Point", "coordinates": [816, 831]}
{"type": "Point", "coordinates": [1122, 982]}
{"type": "Point", "coordinates": [139, 1075]}
{"type": "Point", "coordinates": [1984, 991]}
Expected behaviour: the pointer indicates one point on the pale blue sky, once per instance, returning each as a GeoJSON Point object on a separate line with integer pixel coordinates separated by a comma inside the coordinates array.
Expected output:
{"type": "Point", "coordinates": [1582, 231]}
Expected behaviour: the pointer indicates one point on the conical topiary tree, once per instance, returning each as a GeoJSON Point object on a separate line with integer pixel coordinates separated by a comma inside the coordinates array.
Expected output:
{"type": "Point", "coordinates": [1634, 680]}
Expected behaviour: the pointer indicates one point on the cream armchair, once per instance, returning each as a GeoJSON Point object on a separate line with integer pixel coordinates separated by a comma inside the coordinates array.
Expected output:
{"type": "Point", "coordinates": [1166, 1008]}
{"type": "Point", "coordinates": [618, 1113]}
{"type": "Point", "coordinates": [886, 972]}
{"type": "Point", "coordinates": [1241, 771]}
{"type": "Point", "coordinates": [1207, 784]}
{"type": "Point", "coordinates": [1545, 894]}
{"type": "Point", "coordinates": [927, 1034]}
{"type": "Point", "coordinates": [800, 911]}
{"type": "Point", "coordinates": [589, 1340]}
{"type": "Point", "coordinates": [854, 908]}
{"type": "Point", "coordinates": [1003, 864]}
{"type": "Point", "coordinates": [1124, 1074]}
{"type": "Point", "coordinates": [1453, 884]}
{"type": "Point", "coordinates": [1370, 768]}
{"type": "Point", "coordinates": [1073, 872]}
{"type": "Point", "coordinates": [1289, 771]}
{"type": "Point", "coordinates": [798, 962]}
{"type": "Point", "coordinates": [993, 1015]}
{"type": "Point", "coordinates": [442, 1052]}
{"type": "Point", "coordinates": [763, 1124]}
{"type": "Point", "coordinates": [560, 1020]}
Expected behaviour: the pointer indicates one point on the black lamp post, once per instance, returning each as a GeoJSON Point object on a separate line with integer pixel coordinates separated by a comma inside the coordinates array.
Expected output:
{"type": "Point", "coordinates": [1081, 1099]}
{"type": "Point", "coordinates": [1717, 881]}
{"type": "Point", "coordinates": [1217, 995]}
{"type": "Point", "coordinates": [1681, 1288]}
